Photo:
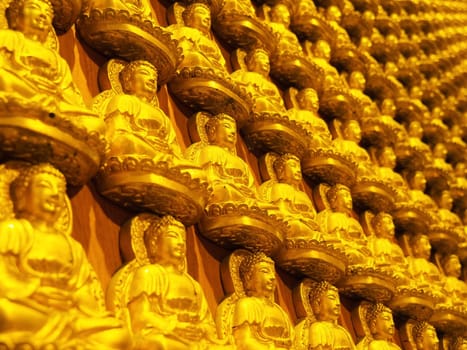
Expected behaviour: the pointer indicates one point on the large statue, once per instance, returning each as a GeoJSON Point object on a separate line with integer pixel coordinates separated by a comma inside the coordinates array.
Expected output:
{"type": "Point", "coordinates": [49, 292]}
{"type": "Point", "coordinates": [139, 132]}
{"type": "Point", "coordinates": [38, 99]}
{"type": "Point", "coordinates": [319, 329]}
{"type": "Point", "coordinates": [378, 326]}
{"type": "Point", "coordinates": [165, 307]}
{"type": "Point", "coordinates": [249, 315]}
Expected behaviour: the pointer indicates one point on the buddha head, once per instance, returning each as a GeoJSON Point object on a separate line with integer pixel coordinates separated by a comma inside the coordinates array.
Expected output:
{"type": "Point", "coordinates": [258, 275]}
{"type": "Point", "coordinates": [420, 245]}
{"type": "Point", "coordinates": [452, 265]}
{"type": "Point", "coordinates": [351, 131]}
{"type": "Point", "coordinates": [280, 14]}
{"type": "Point", "coordinates": [388, 107]}
{"type": "Point", "coordinates": [357, 80]}
{"type": "Point", "coordinates": [38, 194]}
{"type": "Point", "coordinates": [386, 157]}
{"type": "Point", "coordinates": [425, 337]}
{"type": "Point", "coordinates": [443, 199]}
{"type": "Point", "coordinates": [440, 151]}
{"type": "Point", "coordinates": [31, 17]}
{"type": "Point", "coordinates": [325, 302]}
{"type": "Point", "coordinates": [257, 60]}
{"type": "Point", "coordinates": [165, 242]}
{"type": "Point", "coordinates": [383, 225]}
{"type": "Point", "coordinates": [308, 99]}
{"type": "Point", "coordinates": [380, 322]}
{"type": "Point", "coordinates": [198, 15]}
{"type": "Point", "coordinates": [139, 78]}
{"type": "Point", "coordinates": [322, 49]}
{"type": "Point", "coordinates": [333, 13]}
{"type": "Point", "coordinates": [459, 343]}
{"type": "Point", "coordinates": [417, 181]}
{"type": "Point", "coordinates": [415, 129]}
{"type": "Point", "coordinates": [221, 130]}
{"type": "Point", "coordinates": [340, 199]}
{"type": "Point", "coordinates": [287, 169]}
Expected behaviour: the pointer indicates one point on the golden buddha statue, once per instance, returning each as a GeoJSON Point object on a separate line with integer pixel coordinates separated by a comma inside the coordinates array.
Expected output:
{"type": "Point", "coordinates": [357, 82]}
{"type": "Point", "coordinates": [453, 287]}
{"type": "Point", "coordinates": [138, 131]}
{"type": "Point", "coordinates": [234, 194]}
{"type": "Point", "coordinates": [460, 343]}
{"type": "Point", "coordinates": [164, 306]}
{"type": "Point", "coordinates": [249, 315]}
{"type": "Point", "coordinates": [340, 225]}
{"type": "Point", "coordinates": [319, 329]}
{"type": "Point", "coordinates": [254, 77]}
{"type": "Point", "coordinates": [287, 41]}
{"type": "Point", "coordinates": [378, 327]}
{"type": "Point", "coordinates": [50, 292]}
{"type": "Point", "coordinates": [37, 93]}
{"type": "Point", "coordinates": [419, 335]}
{"type": "Point", "coordinates": [420, 268]}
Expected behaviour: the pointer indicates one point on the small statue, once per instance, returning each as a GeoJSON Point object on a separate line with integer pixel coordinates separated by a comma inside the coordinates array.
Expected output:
{"type": "Point", "coordinates": [386, 160]}
{"type": "Point", "coordinates": [453, 287]}
{"type": "Point", "coordinates": [138, 131]}
{"type": "Point", "coordinates": [319, 329]}
{"type": "Point", "coordinates": [50, 292]}
{"type": "Point", "coordinates": [249, 315]}
{"type": "Point", "coordinates": [36, 84]}
{"type": "Point", "coordinates": [425, 337]}
{"type": "Point", "coordinates": [378, 326]}
{"type": "Point", "coordinates": [165, 306]}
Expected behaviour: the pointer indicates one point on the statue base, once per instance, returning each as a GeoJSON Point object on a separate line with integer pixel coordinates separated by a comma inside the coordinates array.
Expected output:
{"type": "Point", "coordinates": [444, 239]}
{"type": "Point", "coordinates": [36, 136]}
{"type": "Point", "coordinates": [202, 89]}
{"type": "Point", "coordinates": [450, 321]}
{"type": "Point", "coordinates": [373, 195]}
{"type": "Point", "coordinates": [410, 218]}
{"type": "Point", "coordinates": [127, 36]}
{"type": "Point", "coordinates": [234, 226]}
{"type": "Point", "coordinates": [317, 260]}
{"type": "Point", "coordinates": [155, 186]}
{"type": "Point", "coordinates": [325, 165]}
{"type": "Point", "coordinates": [337, 103]}
{"type": "Point", "coordinates": [413, 303]}
{"type": "Point", "coordinates": [266, 132]}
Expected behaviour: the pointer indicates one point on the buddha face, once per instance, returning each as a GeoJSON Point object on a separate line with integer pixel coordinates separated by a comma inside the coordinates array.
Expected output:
{"type": "Point", "coordinates": [388, 107]}
{"type": "Point", "coordinates": [143, 83]}
{"type": "Point", "coordinates": [170, 247]}
{"type": "Point", "coordinates": [452, 266]}
{"type": "Point", "coordinates": [280, 14]}
{"type": "Point", "coordinates": [422, 248]}
{"type": "Point", "coordinates": [352, 131]}
{"type": "Point", "coordinates": [387, 158]}
{"type": "Point", "coordinates": [440, 151]}
{"type": "Point", "coordinates": [308, 99]}
{"type": "Point", "coordinates": [418, 181]}
{"type": "Point", "coordinates": [343, 200]}
{"type": "Point", "coordinates": [200, 18]}
{"type": "Point", "coordinates": [263, 280]}
{"type": "Point", "coordinates": [35, 19]}
{"type": "Point", "coordinates": [322, 50]}
{"type": "Point", "coordinates": [430, 340]}
{"type": "Point", "coordinates": [333, 14]}
{"type": "Point", "coordinates": [415, 129]}
{"type": "Point", "coordinates": [445, 201]}
{"type": "Point", "coordinates": [329, 306]}
{"type": "Point", "coordinates": [259, 63]}
{"type": "Point", "coordinates": [290, 172]}
{"type": "Point", "coordinates": [357, 80]}
{"type": "Point", "coordinates": [43, 199]}
{"type": "Point", "coordinates": [224, 134]}
{"type": "Point", "coordinates": [383, 326]}
{"type": "Point", "coordinates": [385, 227]}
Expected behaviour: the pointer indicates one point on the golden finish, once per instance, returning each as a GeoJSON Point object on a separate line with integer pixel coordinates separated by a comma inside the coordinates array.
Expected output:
{"type": "Point", "coordinates": [268, 127]}
{"type": "Point", "coordinates": [234, 214]}
{"type": "Point", "coordinates": [249, 315]}
{"type": "Point", "coordinates": [318, 306]}
{"type": "Point", "coordinates": [128, 30]}
{"type": "Point", "coordinates": [376, 325]}
{"type": "Point", "coordinates": [50, 293]}
{"type": "Point", "coordinates": [363, 279]}
{"type": "Point", "coordinates": [305, 250]}
{"type": "Point", "coordinates": [419, 336]}
{"type": "Point", "coordinates": [144, 165]}
{"type": "Point", "coordinates": [164, 306]}
{"type": "Point", "coordinates": [202, 81]}
{"type": "Point", "coordinates": [43, 117]}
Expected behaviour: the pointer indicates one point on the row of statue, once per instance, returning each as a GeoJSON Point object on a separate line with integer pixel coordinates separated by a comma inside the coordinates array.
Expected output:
{"type": "Point", "coordinates": [348, 119]}
{"type": "Point", "coordinates": [51, 298]}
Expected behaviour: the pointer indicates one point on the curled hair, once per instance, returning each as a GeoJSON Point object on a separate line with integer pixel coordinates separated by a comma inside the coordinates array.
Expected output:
{"type": "Point", "coordinates": [13, 12]}
{"type": "Point", "coordinates": [317, 291]}
{"type": "Point", "coordinates": [250, 56]}
{"type": "Point", "coordinates": [21, 184]}
{"type": "Point", "coordinates": [190, 10]}
{"type": "Point", "coordinates": [374, 310]}
{"type": "Point", "coordinates": [302, 93]}
{"type": "Point", "coordinates": [419, 330]}
{"type": "Point", "coordinates": [377, 220]}
{"type": "Point", "coordinates": [213, 122]}
{"type": "Point", "coordinates": [414, 239]}
{"type": "Point", "coordinates": [279, 163]}
{"type": "Point", "coordinates": [127, 73]}
{"type": "Point", "coordinates": [247, 265]}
